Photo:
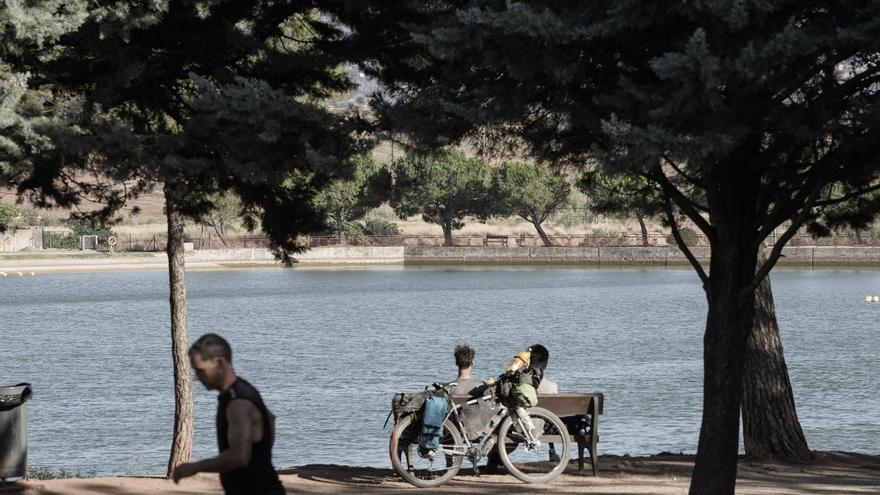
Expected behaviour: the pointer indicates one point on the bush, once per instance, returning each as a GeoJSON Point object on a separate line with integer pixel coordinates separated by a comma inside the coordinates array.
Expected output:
{"type": "Point", "coordinates": [49, 474]}
{"type": "Point", "coordinates": [8, 213]}
{"type": "Point", "coordinates": [380, 227]}
{"type": "Point", "coordinates": [89, 226]}
{"type": "Point", "coordinates": [690, 236]}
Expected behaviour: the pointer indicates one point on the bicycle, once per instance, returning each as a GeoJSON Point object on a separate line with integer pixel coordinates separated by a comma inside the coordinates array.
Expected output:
{"type": "Point", "coordinates": [528, 453]}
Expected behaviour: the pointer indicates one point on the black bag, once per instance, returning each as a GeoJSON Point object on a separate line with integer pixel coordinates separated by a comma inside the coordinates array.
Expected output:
{"type": "Point", "coordinates": [474, 417]}
{"type": "Point", "coordinates": [403, 404]}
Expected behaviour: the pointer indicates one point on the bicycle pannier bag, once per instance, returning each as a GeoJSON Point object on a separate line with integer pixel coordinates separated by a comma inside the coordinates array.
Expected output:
{"type": "Point", "coordinates": [403, 404]}
{"type": "Point", "coordinates": [523, 392]}
{"type": "Point", "coordinates": [433, 414]}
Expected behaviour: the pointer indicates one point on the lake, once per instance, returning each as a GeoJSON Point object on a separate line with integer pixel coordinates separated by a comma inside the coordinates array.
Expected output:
{"type": "Point", "coordinates": [329, 347]}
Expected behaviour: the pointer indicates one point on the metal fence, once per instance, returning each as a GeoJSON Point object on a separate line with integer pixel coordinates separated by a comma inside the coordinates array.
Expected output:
{"type": "Point", "coordinates": [157, 242]}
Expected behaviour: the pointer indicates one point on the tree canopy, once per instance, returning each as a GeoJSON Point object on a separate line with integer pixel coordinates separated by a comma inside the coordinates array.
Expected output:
{"type": "Point", "coordinates": [203, 98]}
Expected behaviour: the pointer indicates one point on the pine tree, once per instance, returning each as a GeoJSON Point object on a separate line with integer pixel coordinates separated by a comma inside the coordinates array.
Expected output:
{"type": "Point", "coordinates": [748, 115]}
{"type": "Point", "coordinates": [347, 199]}
{"type": "Point", "coordinates": [531, 191]}
{"type": "Point", "coordinates": [443, 186]}
{"type": "Point", "coordinates": [197, 98]}
{"type": "Point", "coordinates": [623, 195]}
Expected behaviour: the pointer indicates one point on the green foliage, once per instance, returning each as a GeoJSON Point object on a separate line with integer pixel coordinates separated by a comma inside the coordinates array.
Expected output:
{"type": "Point", "coordinates": [380, 227]}
{"type": "Point", "coordinates": [443, 186]}
{"type": "Point", "coordinates": [34, 115]}
{"type": "Point", "coordinates": [8, 213]}
{"type": "Point", "coordinates": [39, 473]}
{"type": "Point", "coordinates": [238, 109]}
{"type": "Point", "coordinates": [534, 192]}
{"type": "Point", "coordinates": [621, 195]}
{"type": "Point", "coordinates": [347, 199]}
{"type": "Point", "coordinates": [690, 236]}
{"type": "Point", "coordinates": [740, 100]}
{"type": "Point", "coordinates": [224, 214]}
{"type": "Point", "coordinates": [86, 225]}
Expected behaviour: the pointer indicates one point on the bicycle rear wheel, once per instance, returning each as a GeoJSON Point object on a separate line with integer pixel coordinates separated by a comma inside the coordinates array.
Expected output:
{"type": "Point", "coordinates": [425, 471]}
{"type": "Point", "coordinates": [541, 462]}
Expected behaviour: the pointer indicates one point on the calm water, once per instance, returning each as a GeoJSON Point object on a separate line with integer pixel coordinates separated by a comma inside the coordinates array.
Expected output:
{"type": "Point", "coordinates": [328, 348]}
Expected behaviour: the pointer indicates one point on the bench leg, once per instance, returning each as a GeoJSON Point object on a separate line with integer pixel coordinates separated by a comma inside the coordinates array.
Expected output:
{"type": "Point", "coordinates": [593, 460]}
{"type": "Point", "coordinates": [580, 455]}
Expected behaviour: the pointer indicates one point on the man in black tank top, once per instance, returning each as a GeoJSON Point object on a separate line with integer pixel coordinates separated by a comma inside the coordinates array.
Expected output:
{"type": "Point", "coordinates": [245, 427]}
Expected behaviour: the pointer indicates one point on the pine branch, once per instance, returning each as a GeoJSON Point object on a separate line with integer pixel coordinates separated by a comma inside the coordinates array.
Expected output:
{"type": "Point", "coordinates": [786, 236]}
{"type": "Point", "coordinates": [846, 197]}
{"type": "Point", "coordinates": [687, 206]}
{"type": "Point", "coordinates": [676, 234]}
{"type": "Point", "coordinates": [681, 172]}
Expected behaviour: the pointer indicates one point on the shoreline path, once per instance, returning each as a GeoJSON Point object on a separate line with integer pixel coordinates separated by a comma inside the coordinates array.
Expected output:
{"type": "Point", "coordinates": [831, 473]}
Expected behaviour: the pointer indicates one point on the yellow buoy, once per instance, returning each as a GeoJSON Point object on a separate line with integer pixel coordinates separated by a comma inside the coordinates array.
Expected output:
{"type": "Point", "coordinates": [32, 273]}
{"type": "Point", "coordinates": [20, 274]}
{"type": "Point", "coordinates": [2, 274]}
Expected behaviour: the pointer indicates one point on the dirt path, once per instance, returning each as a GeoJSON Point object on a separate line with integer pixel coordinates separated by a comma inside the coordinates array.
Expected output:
{"type": "Point", "coordinates": [832, 473]}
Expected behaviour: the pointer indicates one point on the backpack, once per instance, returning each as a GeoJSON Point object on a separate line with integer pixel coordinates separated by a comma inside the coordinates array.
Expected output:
{"type": "Point", "coordinates": [433, 415]}
{"type": "Point", "coordinates": [521, 390]}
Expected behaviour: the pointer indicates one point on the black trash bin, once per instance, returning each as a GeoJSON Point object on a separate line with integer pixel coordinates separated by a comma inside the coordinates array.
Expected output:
{"type": "Point", "coordinates": [13, 430]}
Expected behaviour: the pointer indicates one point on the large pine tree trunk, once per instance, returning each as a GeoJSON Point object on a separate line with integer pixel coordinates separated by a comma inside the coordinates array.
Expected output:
{"type": "Point", "coordinates": [541, 233]}
{"type": "Point", "coordinates": [770, 424]}
{"type": "Point", "coordinates": [184, 413]}
{"type": "Point", "coordinates": [731, 313]}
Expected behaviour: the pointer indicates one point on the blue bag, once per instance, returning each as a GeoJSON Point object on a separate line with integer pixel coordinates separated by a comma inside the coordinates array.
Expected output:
{"type": "Point", "coordinates": [433, 414]}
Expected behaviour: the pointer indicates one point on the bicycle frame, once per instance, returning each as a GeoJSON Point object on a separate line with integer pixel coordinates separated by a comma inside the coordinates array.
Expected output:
{"type": "Point", "coordinates": [487, 435]}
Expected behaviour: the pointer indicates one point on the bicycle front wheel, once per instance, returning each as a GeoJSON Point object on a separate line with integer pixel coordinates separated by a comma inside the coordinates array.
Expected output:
{"type": "Point", "coordinates": [541, 461]}
{"type": "Point", "coordinates": [431, 469]}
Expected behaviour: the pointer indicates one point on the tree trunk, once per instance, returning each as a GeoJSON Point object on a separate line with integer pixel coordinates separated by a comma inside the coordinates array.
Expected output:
{"type": "Point", "coordinates": [184, 413]}
{"type": "Point", "coordinates": [340, 229]}
{"type": "Point", "coordinates": [541, 233]}
{"type": "Point", "coordinates": [730, 318]}
{"type": "Point", "coordinates": [447, 233]}
{"type": "Point", "coordinates": [644, 229]}
{"type": "Point", "coordinates": [219, 234]}
{"type": "Point", "coordinates": [770, 424]}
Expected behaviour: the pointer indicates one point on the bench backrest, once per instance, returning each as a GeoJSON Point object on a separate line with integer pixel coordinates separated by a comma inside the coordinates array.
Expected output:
{"type": "Point", "coordinates": [563, 404]}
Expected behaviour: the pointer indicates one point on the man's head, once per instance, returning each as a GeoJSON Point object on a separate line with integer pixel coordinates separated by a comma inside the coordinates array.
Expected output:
{"type": "Point", "coordinates": [211, 359]}
{"type": "Point", "coordinates": [464, 357]}
{"type": "Point", "coordinates": [540, 357]}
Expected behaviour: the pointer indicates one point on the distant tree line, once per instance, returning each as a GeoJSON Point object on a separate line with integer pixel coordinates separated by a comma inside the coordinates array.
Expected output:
{"type": "Point", "coordinates": [445, 187]}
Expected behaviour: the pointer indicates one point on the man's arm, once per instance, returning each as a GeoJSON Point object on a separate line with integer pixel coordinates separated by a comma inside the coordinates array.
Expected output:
{"type": "Point", "coordinates": [240, 414]}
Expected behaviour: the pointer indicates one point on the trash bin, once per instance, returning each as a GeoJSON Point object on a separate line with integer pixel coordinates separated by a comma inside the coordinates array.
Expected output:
{"type": "Point", "coordinates": [13, 430]}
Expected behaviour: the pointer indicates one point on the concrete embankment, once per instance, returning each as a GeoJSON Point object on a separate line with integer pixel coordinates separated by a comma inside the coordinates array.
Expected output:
{"type": "Point", "coordinates": [25, 263]}
{"type": "Point", "coordinates": [218, 259]}
{"type": "Point", "coordinates": [593, 255]}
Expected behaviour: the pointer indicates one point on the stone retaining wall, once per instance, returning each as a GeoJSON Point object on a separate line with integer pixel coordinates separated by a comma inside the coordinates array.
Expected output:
{"type": "Point", "coordinates": [627, 255]}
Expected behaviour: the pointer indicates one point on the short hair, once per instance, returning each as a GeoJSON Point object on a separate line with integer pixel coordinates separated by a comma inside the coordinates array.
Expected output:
{"type": "Point", "coordinates": [464, 356]}
{"type": "Point", "coordinates": [540, 356]}
{"type": "Point", "coordinates": [211, 346]}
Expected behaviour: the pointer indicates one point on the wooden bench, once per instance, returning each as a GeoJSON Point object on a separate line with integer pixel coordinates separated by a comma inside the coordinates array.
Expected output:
{"type": "Point", "coordinates": [580, 413]}
{"type": "Point", "coordinates": [491, 238]}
